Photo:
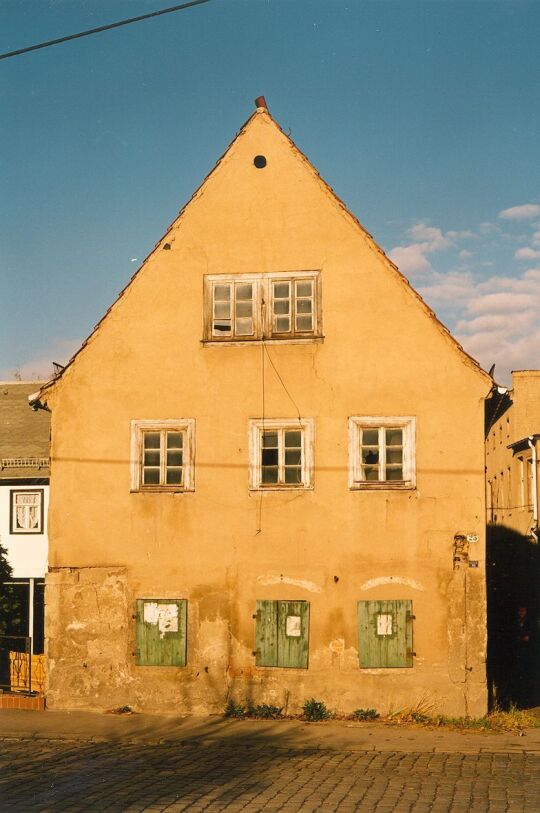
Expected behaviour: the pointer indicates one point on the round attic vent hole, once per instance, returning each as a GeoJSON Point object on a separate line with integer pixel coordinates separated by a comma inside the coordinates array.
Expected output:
{"type": "Point", "coordinates": [259, 161]}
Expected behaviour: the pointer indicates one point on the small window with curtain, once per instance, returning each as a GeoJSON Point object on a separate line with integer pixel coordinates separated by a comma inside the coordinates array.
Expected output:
{"type": "Point", "coordinates": [162, 455]}
{"type": "Point", "coordinates": [26, 511]}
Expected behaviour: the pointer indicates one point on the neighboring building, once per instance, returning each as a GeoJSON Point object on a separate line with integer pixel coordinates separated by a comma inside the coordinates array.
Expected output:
{"type": "Point", "coordinates": [268, 469]}
{"type": "Point", "coordinates": [24, 497]}
{"type": "Point", "coordinates": [512, 452]}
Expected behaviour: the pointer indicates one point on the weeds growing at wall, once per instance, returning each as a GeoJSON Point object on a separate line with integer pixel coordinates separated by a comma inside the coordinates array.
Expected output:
{"type": "Point", "coordinates": [315, 710]}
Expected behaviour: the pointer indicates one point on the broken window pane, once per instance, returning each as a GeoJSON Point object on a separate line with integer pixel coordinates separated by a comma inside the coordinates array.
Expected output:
{"type": "Point", "coordinates": [270, 457]}
{"type": "Point", "coordinates": [370, 454]}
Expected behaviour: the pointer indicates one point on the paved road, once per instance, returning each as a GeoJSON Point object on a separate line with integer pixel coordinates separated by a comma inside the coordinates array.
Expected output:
{"type": "Point", "coordinates": [55, 775]}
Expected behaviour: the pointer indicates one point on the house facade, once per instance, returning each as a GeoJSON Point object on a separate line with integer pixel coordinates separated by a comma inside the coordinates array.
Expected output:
{"type": "Point", "coordinates": [24, 499]}
{"type": "Point", "coordinates": [512, 451]}
{"type": "Point", "coordinates": [268, 469]}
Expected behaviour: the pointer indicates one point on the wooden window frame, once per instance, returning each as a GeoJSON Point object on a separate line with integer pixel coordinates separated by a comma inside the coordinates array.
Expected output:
{"type": "Point", "coordinates": [263, 305]}
{"type": "Point", "coordinates": [184, 425]}
{"type": "Point", "coordinates": [256, 428]}
{"type": "Point", "coordinates": [382, 422]}
{"type": "Point", "coordinates": [13, 493]}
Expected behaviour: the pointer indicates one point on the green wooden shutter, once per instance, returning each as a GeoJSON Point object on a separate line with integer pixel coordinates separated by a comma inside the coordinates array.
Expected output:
{"type": "Point", "coordinates": [161, 632]}
{"type": "Point", "coordinates": [293, 641]}
{"type": "Point", "coordinates": [385, 633]}
{"type": "Point", "coordinates": [266, 642]}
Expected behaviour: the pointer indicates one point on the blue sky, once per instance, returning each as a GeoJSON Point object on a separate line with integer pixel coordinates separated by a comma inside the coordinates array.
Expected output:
{"type": "Point", "coordinates": [423, 116]}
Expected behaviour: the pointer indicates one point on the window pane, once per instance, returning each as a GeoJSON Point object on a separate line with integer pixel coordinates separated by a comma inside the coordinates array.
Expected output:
{"type": "Point", "coordinates": [151, 458]}
{"type": "Point", "coordinates": [304, 323]}
{"type": "Point", "coordinates": [394, 455]}
{"type": "Point", "coordinates": [371, 472]}
{"type": "Point", "coordinates": [370, 437]}
{"type": "Point", "coordinates": [174, 458]}
{"type": "Point", "coordinates": [281, 306]}
{"type": "Point", "coordinates": [244, 327]}
{"type": "Point", "coordinates": [394, 473]}
{"type": "Point", "coordinates": [282, 324]}
{"type": "Point", "coordinates": [244, 309]}
{"type": "Point", "coordinates": [281, 290]}
{"type": "Point", "coordinates": [303, 306]}
{"type": "Point", "coordinates": [304, 288]}
{"type": "Point", "coordinates": [222, 293]}
{"type": "Point", "coordinates": [269, 475]}
{"type": "Point", "coordinates": [222, 326]}
{"type": "Point", "coordinates": [269, 440]}
{"type": "Point", "coordinates": [370, 455]}
{"type": "Point", "coordinates": [293, 457]}
{"type": "Point", "coordinates": [394, 437]}
{"type": "Point", "coordinates": [293, 474]}
{"type": "Point", "coordinates": [151, 477]}
{"type": "Point", "coordinates": [174, 477]}
{"type": "Point", "coordinates": [269, 457]}
{"type": "Point", "coordinates": [244, 291]}
{"type": "Point", "coordinates": [151, 440]}
{"type": "Point", "coordinates": [293, 438]}
{"type": "Point", "coordinates": [222, 310]}
{"type": "Point", "coordinates": [175, 440]}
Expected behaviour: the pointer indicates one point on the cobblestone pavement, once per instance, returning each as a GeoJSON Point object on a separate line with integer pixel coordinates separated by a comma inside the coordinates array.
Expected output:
{"type": "Point", "coordinates": [47, 775]}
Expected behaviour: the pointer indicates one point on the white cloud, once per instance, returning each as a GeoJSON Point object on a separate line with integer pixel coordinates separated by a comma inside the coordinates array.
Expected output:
{"type": "Point", "coordinates": [523, 212]}
{"type": "Point", "coordinates": [464, 255]}
{"type": "Point", "coordinates": [410, 259]}
{"type": "Point", "coordinates": [429, 236]}
{"type": "Point", "coordinates": [527, 254]}
{"type": "Point", "coordinates": [536, 238]}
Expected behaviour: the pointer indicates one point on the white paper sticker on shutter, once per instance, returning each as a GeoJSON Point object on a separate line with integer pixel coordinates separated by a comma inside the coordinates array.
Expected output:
{"type": "Point", "coordinates": [164, 615]}
{"type": "Point", "coordinates": [384, 624]}
{"type": "Point", "coordinates": [294, 628]}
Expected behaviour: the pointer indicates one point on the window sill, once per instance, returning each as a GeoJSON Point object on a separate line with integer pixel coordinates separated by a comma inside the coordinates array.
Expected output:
{"type": "Point", "coordinates": [283, 489]}
{"type": "Point", "coordinates": [244, 342]}
{"type": "Point", "coordinates": [384, 486]}
{"type": "Point", "coordinates": [161, 490]}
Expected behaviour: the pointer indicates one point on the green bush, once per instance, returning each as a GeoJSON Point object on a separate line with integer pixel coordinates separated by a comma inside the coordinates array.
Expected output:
{"type": "Point", "coordinates": [364, 714]}
{"type": "Point", "coordinates": [265, 712]}
{"type": "Point", "coordinates": [233, 709]}
{"type": "Point", "coordinates": [315, 710]}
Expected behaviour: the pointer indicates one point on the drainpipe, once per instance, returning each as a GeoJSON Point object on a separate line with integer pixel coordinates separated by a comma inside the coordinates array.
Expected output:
{"type": "Point", "coordinates": [532, 445]}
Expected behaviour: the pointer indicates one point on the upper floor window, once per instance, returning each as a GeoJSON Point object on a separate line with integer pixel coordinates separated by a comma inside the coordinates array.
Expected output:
{"type": "Point", "coordinates": [248, 307]}
{"type": "Point", "coordinates": [26, 511]}
{"type": "Point", "coordinates": [281, 454]}
{"type": "Point", "coordinates": [381, 452]}
{"type": "Point", "coordinates": [162, 455]}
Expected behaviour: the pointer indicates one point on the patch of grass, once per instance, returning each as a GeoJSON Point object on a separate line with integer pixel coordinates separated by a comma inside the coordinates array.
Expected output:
{"type": "Point", "coordinates": [512, 720]}
{"type": "Point", "coordinates": [315, 710]}
{"type": "Point", "coordinates": [265, 712]}
{"type": "Point", "coordinates": [364, 714]}
{"type": "Point", "coordinates": [235, 710]}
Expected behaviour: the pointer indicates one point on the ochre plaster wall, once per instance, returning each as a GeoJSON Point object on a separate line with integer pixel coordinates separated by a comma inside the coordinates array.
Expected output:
{"type": "Point", "coordinates": [222, 547]}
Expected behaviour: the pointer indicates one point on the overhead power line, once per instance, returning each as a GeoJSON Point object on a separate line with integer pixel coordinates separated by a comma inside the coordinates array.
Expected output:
{"type": "Point", "coordinates": [101, 28]}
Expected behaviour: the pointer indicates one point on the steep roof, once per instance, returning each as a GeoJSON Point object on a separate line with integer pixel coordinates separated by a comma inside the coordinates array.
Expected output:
{"type": "Point", "coordinates": [24, 434]}
{"type": "Point", "coordinates": [263, 111]}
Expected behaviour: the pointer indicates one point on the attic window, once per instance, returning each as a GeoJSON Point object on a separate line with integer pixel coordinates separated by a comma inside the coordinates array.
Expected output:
{"type": "Point", "coordinates": [260, 161]}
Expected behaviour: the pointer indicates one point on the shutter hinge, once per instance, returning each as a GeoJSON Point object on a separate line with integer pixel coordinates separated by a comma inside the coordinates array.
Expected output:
{"type": "Point", "coordinates": [256, 652]}
{"type": "Point", "coordinates": [410, 617]}
{"type": "Point", "coordinates": [411, 654]}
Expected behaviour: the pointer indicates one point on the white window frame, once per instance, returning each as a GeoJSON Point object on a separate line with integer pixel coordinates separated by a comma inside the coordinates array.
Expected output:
{"type": "Point", "coordinates": [381, 422]}
{"type": "Point", "coordinates": [256, 428]}
{"type": "Point", "coordinates": [184, 425]}
{"type": "Point", "coordinates": [263, 307]}
{"type": "Point", "coordinates": [17, 492]}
